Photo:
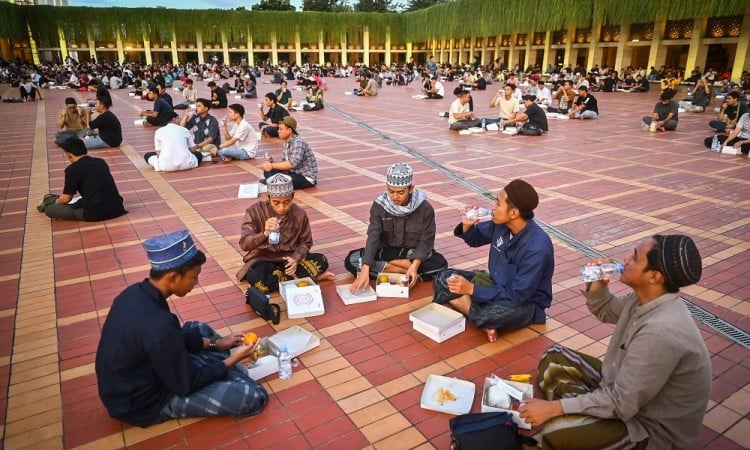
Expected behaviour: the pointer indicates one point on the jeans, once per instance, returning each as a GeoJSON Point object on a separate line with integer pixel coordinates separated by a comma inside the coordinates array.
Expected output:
{"type": "Point", "coordinates": [94, 142]}
{"type": "Point", "coordinates": [235, 152]}
{"type": "Point", "coordinates": [669, 126]}
{"type": "Point", "coordinates": [586, 115]}
{"type": "Point", "coordinates": [62, 136]}
{"type": "Point", "coordinates": [269, 130]}
{"type": "Point", "coordinates": [718, 125]}
{"type": "Point", "coordinates": [299, 181]}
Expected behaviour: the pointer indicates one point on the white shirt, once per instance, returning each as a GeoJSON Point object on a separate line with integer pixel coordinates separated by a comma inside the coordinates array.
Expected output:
{"type": "Point", "coordinates": [173, 143]}
{"type": "Point", "coordinates": [457, 108]}
{"type": "Point", "coordinates": [246, 137]}
{"type": "Point", "coordinates": [440, 89]}
{"type": "Point", "coordinates": [544, 95]}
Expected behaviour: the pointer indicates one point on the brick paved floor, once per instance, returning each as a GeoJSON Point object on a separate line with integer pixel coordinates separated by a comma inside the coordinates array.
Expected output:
{"type": "Point", "coordinates": [606, 183]}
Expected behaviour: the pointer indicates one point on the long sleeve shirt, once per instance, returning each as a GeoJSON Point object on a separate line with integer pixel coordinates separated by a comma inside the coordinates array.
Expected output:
{"type": "Point", "coordinates": [656, 374]}
{"type": "Point", "coordinates": [416, 230]}
{"type": "Point", "coordinates": [295, 235]}
{"type": "Point", "coordinates": [144, 357]}
{"type": "Point", "coordinates": [521, 266]}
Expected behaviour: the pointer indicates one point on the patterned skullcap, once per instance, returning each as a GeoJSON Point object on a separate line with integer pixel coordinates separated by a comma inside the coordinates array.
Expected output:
{"type": "Point", "coordinates": [280, 185]}
{"type": "Point", "coordinates": [679, 258]}
{"type": "Point", "coordinates": [399, 175]}
{"type": "Point", "coordinates": [170, 251]}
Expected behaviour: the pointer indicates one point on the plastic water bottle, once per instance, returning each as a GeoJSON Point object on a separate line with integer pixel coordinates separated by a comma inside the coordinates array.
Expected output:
{"type": "Point", "coordinates": [479, 213]}
{"type": "Point", "coordinates": [484, 123]}
{"type": "Point", "coordinates": [266, 156]}
{"type": "Point", "coordinates": [274, 236]}
{"type": "Point", "coordinates": [359, 267]}
{"type": "Point", "coordinates": [596, 273]}
{"type": "Point", "coordinates": [285, 363]}
{"type": "Point", "coordinates": [715, 144]}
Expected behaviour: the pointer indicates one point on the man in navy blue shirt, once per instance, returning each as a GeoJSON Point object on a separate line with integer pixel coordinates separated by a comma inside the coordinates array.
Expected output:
{"type": "Point", "coordinates": [518, 286]}
{"type": "Point", "coordinates": [162, 113]}
{"type": "Point", "coordinates": [150, 369]}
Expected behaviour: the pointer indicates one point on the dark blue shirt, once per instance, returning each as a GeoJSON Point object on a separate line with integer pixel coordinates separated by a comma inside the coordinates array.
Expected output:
{"type": "Point", "coordinates": [144, 357]}
{"type": "Point", "coordinates": [521, 267]}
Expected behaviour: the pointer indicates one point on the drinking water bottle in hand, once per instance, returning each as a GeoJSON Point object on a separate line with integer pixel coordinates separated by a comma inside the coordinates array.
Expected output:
{"type": "Point", "coordinates": [715, 146]}
{"type": "Point", "coordinates": [596, 273]}
{"type": "Point", "coordinates": [479, 213]}
{"type": "Point", "coordinates": [285, 363]}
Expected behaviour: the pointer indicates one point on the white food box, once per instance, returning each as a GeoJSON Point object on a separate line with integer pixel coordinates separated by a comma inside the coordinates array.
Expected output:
{"type": "Point", "coordinates": [366, 295]}
{"type": "Point", "coordinates": [525, 388]}
{"type": "Point", "coordinates": [206, 156]}
{"type": "Point", "coordinates": [438, 322]}
{"type": "Point", "coordinates": [131, 94]}
{"type": "Point", "coordinates": [462, 390]}
{"type": "Point", "coordinates": [392, 288]}
{"type": "Point", "coordinates": [238, 97]}
{"type": "Point", "coordinates": [248, 190]}
{"type": "Point", "coordinates": [297, 340]}
{"type": "Point", "coordinates": [304, 301]}
{"type": "Point", "coordinates": [138, 122]}
{"type": "Point", "coordinates": [729, 150]}
{"type": "Point", "coordinates": [510, 130]}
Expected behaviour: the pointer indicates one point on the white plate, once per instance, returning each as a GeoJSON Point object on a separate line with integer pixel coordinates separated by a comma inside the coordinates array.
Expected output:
{"type": "Point", "coordinates": [461, 389]}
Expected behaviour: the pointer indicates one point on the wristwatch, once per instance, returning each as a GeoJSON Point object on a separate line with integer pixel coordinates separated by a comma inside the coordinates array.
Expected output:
{"type": "Point", "coordinates": [212, 343]}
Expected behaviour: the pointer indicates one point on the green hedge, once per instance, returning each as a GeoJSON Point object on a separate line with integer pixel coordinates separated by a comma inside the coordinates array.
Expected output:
{"type": "Point", "coordinates": [458, 18]}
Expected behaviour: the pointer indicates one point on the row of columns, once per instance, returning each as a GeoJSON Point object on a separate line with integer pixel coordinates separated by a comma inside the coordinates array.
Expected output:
{"type": "Point", "coordinates": [457, 52]}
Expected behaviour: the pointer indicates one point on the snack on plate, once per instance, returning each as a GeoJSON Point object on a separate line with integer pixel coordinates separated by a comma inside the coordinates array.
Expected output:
{"type": "Point", "coordinates": [303, 283]}
{"type": "Point", "coordinates": [383, 279]}
{"type": "Point", "coordinates": [443, 396]}
{"type": "Point", "coordinates": [261, 350]}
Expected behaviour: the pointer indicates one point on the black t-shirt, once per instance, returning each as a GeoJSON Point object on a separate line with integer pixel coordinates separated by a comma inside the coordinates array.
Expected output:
{"type": "Point", "coordinates": [219, 95]}
{"type": "Point", "coordinates": [537, 116]}
{"type": "Point", "coordinates": [109, 128]}
{"type": "Point", "coordinates": [589, 102]}
{"type": "Point", "coordinates": [277, 114]}
{"type": "Point", "coordinates": [91, 178]}
{"type": "Point", "coordinates": [609, 84]}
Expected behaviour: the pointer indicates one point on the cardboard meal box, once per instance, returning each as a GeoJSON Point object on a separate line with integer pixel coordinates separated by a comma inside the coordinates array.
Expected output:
{"type": "Point", "coordinates": [525, 388]}
{"type": "Point", "coordinates": [247, 190]}
{"type": "Point", "coordinates": [302, 301]}
{"type": "Point", "coordinates": [729, 150]}
{"type": "Point", "coordinates": [448, 395]}
{"type": "Point", "coordinates": [438, 322]}
{"type": "Point", "coordinates": [366, 295]}
{"type": "Point", "coordinates": [397, 285]}
{"type": "Point", "coordinates": [297, 341]}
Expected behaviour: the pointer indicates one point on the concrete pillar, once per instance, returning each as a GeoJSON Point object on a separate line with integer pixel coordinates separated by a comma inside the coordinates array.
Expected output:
{"type": "Point", "coordinates": [547, 50]}
{"type": "Point", "coordinates": [199, 46]}
{"type": "Point", "coordinates": [147, 49]}
{"type": "Point", "coordinates": [408, 50]}
{"type": "Point", "coordinates": [92, 45]}
{"type": "Point", "coordinates": [250, 52]}
{"type": "Point", "coordinates": [658, 53]}
{"type": "Point", "coordinates": [274, 49]}
{"type": "Point", "coordinates": [388, 46]}
{"type": "Point", "coordinates": [32, 44]}
{"type": "Point", "coordinates": [344, 54]}
{"type": "Point", "coordinates": [594, 50]}
{"type": "Point", "coordinates": [225, 47]}
{"type": "Point", "coordinates": [527, 59]}
{"type": "Point", "coordinates": [173, 45]}
{"type": "Point", "coordinates": [64, 44]}
{"type": "Point", "coordinates": [321, 49]}
{"type": "Point", "coordinates": [297, 48]}
{"type": "Point", "coordinates": [451, 46]}
{"type": "Point", "coordinates": [498, 40]}
{"type": "Point", "coordinates": [697, 52]}
{"type": "Point", "coordinates": [366, 46]}
{"type": "Point", "coordinates": [120, 49]}
{"type": "Point", "coordinates": [741, 58]}
{"type": "Point", "coordinates": [569, 54]}
{"type": "Point", "coordinates": [512, 56]}
{"type": "Point", "coordinates": [622, 58]}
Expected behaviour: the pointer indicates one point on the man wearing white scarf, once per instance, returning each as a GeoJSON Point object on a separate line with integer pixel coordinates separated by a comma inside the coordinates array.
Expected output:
{"type": "Point", "coordinates": [400, 236]}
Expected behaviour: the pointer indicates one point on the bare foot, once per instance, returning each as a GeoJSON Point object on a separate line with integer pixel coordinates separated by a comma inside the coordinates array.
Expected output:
{"type": "Point", "coordinates": [325, 276]}
{"type": "Point", "coordinates": [491, 334]}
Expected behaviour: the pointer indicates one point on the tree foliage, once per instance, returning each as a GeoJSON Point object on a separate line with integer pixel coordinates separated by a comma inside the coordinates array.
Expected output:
{"type": "Point", "coordinates": [380, 6]}
{"type": "Point", "coordinates": [325, 5]}
{"type": "Point", "coordinates": [413, 5]}
{"type": "Point", "coordinates": [273, 5]}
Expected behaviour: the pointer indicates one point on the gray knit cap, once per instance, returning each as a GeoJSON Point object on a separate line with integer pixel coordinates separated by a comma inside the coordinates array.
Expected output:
{"type": "Point", "coordinates": [679, 258]}
{"type": "Point", "coordinates": [399, 175]}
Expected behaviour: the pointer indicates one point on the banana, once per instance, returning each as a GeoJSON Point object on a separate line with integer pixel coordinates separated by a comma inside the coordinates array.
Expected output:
{"type": "Point", "coordinates": [521, 378]}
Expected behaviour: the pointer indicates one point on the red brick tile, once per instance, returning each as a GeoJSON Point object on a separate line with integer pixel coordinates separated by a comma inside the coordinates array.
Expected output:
{"type": "Point", "coordinates": [327, 432]}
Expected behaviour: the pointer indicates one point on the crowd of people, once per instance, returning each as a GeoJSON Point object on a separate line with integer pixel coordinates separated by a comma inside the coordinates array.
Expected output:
{"type": "Point", "coordinates": [150, 368]}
